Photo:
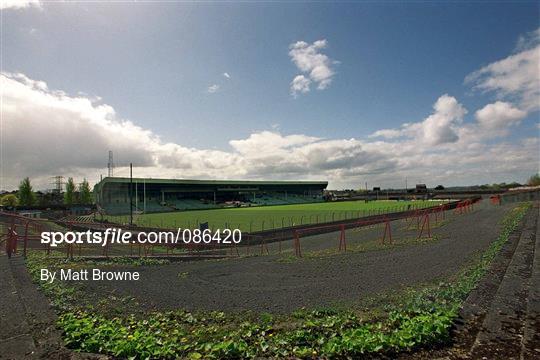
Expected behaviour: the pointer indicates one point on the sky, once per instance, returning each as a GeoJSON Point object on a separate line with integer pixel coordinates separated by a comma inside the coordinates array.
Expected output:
{"type": "Point", "coordinates": [378, 92]}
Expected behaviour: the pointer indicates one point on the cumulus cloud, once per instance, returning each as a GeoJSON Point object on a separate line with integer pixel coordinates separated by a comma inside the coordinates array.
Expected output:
{"type": "Point", "coordinates": [48, 132]}
{"type": "Point", "coordinates": [516, 77]}
{"type": "Point", "coordinates": [440, 127]}
{"type": "Point", "coordinates": [387, 133]}
{"type": "Point", "coordinates": [213, 88]}
{"type": "Point", "coordinates": [55, 124]}
{"type": "Point", "coordinates": [300, 84]}
{"type": "Point", "coordinates": [316, 66]}
{"type": "Point", "coordinates": [499, 116]}
{"type": "Point", "coordinates": [19, 4]}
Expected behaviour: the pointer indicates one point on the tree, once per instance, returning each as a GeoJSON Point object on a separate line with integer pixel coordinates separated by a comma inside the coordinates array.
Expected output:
{"type": "Point", "coordinates": [26, 193]}
{"type": "Point", "coordinates": [85, 195]}
{"type": "Point", "coordinates": [69, 195]}
{"type": "Point", "coordinates": [534, 180]}
{"type": "Point", "coordinates": [9, 200]}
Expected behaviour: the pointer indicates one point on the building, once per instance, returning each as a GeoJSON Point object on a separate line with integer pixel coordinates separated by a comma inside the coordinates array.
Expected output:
{"type": "Point", "coordinates": [112, 194]}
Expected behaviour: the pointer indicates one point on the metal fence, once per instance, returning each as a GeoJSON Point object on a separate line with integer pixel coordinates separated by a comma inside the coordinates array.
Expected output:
{"type": "Point", "coordinates": [20, 234]}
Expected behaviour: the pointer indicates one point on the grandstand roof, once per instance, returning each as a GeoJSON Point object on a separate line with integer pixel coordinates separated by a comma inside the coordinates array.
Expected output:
{"type": "Point", "coordinates": [208, 182]}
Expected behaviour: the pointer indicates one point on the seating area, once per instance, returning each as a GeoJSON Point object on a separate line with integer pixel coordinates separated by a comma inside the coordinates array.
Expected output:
{"type": "Point", "coordinates": [282, 199]}
{"type": "Point", "coordinates": [151, 195]}
{"type": "Point", "coordinates": [123, 208]}
{"type": "Point", "coordinates": [269, 200]}
{"type": "Point", "coordinates": [302, 199]}
{"type": "Point", "coordinates": [185, 204]}
{"type": "Point", "coordinates": [153, 206]}
{"type": "Point", "coordinates": [190, 204]}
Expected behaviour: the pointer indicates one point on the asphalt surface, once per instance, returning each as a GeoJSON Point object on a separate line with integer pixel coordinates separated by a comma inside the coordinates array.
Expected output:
{"type": "Point", "coordinates": [266, 284]}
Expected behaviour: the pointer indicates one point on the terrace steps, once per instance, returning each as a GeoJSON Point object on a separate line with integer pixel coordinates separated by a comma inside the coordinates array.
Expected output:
{"type": "Point", "coordinates": [531, 331]}
{"type": "Point", "coordinates": [15, 339]}
{"type": "Point", "coordinates": [511, 327]}
{"type": "Point", "coordinates": [28, 329]}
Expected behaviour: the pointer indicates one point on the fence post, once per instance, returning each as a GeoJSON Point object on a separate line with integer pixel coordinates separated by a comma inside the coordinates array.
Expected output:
{"type": "Point", "coordinates": [342, 240]}
{"type": "Point", "coordinates": [264, 246]}
{"type": "Point", "coordinates": [297, 249]}
{"type": "Point", "coordinates": [425, 224]}
{"type": "Point", "coordinates": [25, 238]}
{"type": "Point", "coordinates": [387, 230]}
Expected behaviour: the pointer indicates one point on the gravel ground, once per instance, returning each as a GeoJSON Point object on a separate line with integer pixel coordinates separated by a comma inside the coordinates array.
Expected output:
{"type": "Point", "coordinates": [264, 283]}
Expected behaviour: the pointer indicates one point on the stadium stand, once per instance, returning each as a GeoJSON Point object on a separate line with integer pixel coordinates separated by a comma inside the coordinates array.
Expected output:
{"type": "Point", "coordinates": [164, 195]}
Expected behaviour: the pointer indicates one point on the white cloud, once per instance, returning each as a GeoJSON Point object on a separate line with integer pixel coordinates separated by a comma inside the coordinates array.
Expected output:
{"type": "Point", "coordinates": [499, 116]}
{"type": "Point", "coordinates": [528, 40]}
{"type": "Point", "coordinates": [387, 133]}
{"type": "Point", "coordinates": [267, 143]}
{"type": "Point", "coordinates": [516, 76]}
{"type": "Point", "coordinates": [48, 132]}
{"type": "Point", "coordinates": [19, 4]}
{"type": "Point", "coordinates": [213, 88]}
{"type": "Point", "coordinates": [227, 75]}
{"type": "Point", "coordinates": [441, 127]}
{"type": "Point", "coordinates": [300, 84]}
{"type": "Point", "coordinates": [316, 66]}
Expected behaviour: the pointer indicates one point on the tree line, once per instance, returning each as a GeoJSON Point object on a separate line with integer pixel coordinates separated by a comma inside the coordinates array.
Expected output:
{"type": "Point", "coordinates": [26, 196]}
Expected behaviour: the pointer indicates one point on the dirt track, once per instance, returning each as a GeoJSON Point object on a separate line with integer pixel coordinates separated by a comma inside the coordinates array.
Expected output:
{"type": "Point", "coordinates": [263, 283]}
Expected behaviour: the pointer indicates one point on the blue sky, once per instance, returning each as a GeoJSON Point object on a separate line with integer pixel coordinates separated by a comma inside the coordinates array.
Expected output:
{"type": "Point", "coordinates": [153, 63]}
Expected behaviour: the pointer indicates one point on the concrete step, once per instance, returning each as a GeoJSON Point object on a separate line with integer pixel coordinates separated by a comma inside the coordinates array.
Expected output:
{"type": "Point", "coordinates": [531, 331]}
{"type": "Point", "coordinates": [502, 330]}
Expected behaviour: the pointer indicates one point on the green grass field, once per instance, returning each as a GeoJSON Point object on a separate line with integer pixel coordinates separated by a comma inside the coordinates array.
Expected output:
{"type": "Point", "coordinates": [272, 217]}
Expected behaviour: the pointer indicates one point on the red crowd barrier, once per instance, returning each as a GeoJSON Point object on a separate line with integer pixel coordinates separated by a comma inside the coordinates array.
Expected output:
{"type": "Point", "coordinates": [495, 199]}
{"type": "Point", "coordinates": [24, 229]}
{"type": "Point", "coordinates": [422, 218]}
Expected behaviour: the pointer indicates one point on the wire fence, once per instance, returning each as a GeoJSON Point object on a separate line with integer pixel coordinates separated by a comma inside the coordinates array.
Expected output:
{"type": "Point", "coordinates": [260, 219]}
{"type": "Point", "coordinates": [21, 234]}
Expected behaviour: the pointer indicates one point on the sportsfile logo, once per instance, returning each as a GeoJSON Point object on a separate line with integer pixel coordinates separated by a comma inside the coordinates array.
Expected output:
{"type": "Point", "coordinates": [109, 236]}
{"type": "Point", "coordinates": [118, 236]}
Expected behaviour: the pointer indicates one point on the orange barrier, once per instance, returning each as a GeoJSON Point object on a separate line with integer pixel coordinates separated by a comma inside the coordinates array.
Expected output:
{"type": "Point", "coordinates": [24, 229]}
{"type": "Point", "coordinates": [495, 199]}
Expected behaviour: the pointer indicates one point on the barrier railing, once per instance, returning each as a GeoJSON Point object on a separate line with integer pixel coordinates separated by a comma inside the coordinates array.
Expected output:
{"type": "Point", "coordinates": [422, 218]}
{"type": "Point", "coordinates": [26, 232]}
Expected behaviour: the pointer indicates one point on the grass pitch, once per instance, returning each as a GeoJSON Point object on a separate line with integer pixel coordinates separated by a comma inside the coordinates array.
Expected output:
{"type": "Point", "coordinates": [260, 218]}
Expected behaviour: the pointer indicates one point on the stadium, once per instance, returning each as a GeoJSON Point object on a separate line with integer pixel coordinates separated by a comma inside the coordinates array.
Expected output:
{"type": "Point", "coordinates": [251, 206]}
{"type": "Point", "coordinates": [295, 180]}
{"type": "Point", "coordinates": [299, 267]}
{"type": "Point", "coordinates": [162, 195]}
